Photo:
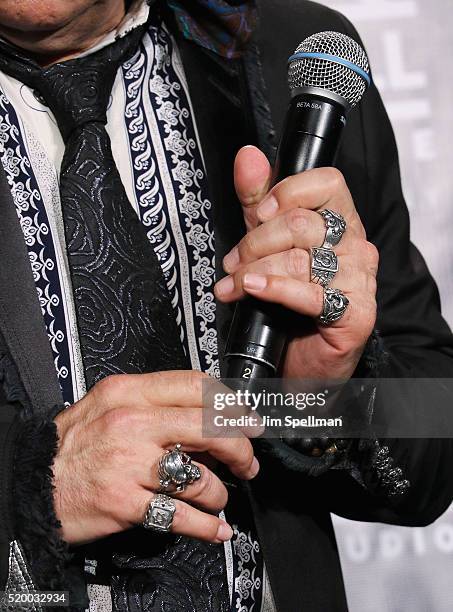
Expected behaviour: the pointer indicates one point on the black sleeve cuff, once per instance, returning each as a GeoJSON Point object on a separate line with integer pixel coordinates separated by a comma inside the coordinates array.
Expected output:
{"type": "Point", "coordinates": [36, 524]}
{"type": "Point", "coordinates": [367, 461]}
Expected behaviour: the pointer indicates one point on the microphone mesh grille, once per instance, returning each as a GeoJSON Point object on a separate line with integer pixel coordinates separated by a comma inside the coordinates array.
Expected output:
{"type": "Point", "coordinates": [327, 74]}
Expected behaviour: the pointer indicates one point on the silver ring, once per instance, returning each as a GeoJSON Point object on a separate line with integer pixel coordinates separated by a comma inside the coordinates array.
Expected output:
{"type": "Point", "coordinates": [160, 513]}
{"type": "Point", "coordinates": [176, 470]}
{"type": "Point", "coordinates": [323, 266]}
{"type": "Point", "coordinates": [334, 307]}
{"type": "Point", "coordinates": [335, 228]}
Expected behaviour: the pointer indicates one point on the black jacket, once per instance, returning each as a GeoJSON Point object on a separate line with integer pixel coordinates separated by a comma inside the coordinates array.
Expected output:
{"type": "Point", "coordinates": [293, 496]}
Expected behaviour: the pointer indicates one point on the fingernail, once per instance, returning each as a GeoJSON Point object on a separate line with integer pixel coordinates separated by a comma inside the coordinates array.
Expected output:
{"type": "Point", "coordinates": [231, 260]}
{"type": "Point", "coordinates": [267, 208]}
{"type": "Point", "coordinates": [225, 286]}
{"type": "Point", "coordinates": [224, 533]}
{"type": "Point", "coordinates": [254, 282]}
{"type": "Point", "coordinates": [254, 468]}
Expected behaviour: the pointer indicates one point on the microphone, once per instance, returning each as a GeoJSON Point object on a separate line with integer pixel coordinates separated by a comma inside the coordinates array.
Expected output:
{"type": "Point", "coordinates": [327, 75]}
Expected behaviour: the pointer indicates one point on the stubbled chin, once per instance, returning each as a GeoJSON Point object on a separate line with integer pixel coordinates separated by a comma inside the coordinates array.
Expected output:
{"type": "Point", "coordinates": [65, 32]}
{"type": "Point", "coordinates": [43, 16]}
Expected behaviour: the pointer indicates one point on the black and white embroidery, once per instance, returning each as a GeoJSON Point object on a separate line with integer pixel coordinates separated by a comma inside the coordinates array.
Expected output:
{"type": "Point", "coordinates": [248, 581]}
{"type": "Point", "coordinates": [38, 239]}
{"type": "Point", "coordinates": [171, 192]}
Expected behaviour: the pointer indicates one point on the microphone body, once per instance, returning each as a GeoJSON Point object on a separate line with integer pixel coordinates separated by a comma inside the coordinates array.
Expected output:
{"type": "Point", "coordinates": [310, 139]}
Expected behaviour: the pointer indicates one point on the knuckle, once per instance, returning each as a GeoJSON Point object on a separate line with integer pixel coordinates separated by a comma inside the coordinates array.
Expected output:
{"type": "Point", "coordinates": [181, 516]}
{"type": "Point", "coordinates": [195, 383]}
{"type": "Point", "coordinates": [268, 265]}
{"type": "Point", "coordinates": [348, 270]}
{"type": "Point", "coordinates": [190, 380]}
{"type": "Point", "coordinates": [212, 527]}
{"type": "Point", "coordinates": [360, 230]}
{"type": "Point", "coordinates": [297, 220]}
{"type": "Point", "coordinates": [113, 385]}
{"type": "Point", "coordinates": [119, 419]}
{"type": "Point", "coordinates": [206, 485]}
{"type": "Point", "coordinates": [244, 452]}
{"type": "Point", "coordinates": [372, 254]}
{"type": "Point", "coordinates": [298, 261]}
{"type": "Point", "coordinates": [248, 247]}
{"type": "Point", "coordinates": [250, 199]}
{"type": "Point", "coordinates": [367, 317]}
{"type": "Point", "coordinates": [335, 178]}
{"type": "Point", "coordinates": [135, 507]}
{"type": "Point", "coordinates": [372, 285]}
{"type": "Point", "coordinates": [372, 311]}
{"type": "Point", "coordinates": [318, 297]}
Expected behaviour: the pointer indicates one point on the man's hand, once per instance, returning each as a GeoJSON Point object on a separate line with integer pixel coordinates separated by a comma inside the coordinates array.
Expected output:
{"type": "Point", "coordinates": [272, 262]}
{"type": "Point", "coordinates": [106, 468]}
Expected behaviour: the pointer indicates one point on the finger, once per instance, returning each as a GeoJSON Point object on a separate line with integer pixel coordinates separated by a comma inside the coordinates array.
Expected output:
{"type": "Point", "coordinates": [308, 299]}
{"type": "Point", "coordinates": [171, 388]}
{"type": "Point", "coordinates": [355, 273]}
{"type": "Point", "coordinates": [252, 177]}
{"type": "Point", "coordinates": [297, 228]}
{"type": "Point", "coordinates": [301, 297]}
{"type": "Point", "coordinates": [137, 459]}
{"type": "Point", "coordinates": [294, 263]}
{"type": "Point", "coordinates": [195, 434]}
{"type": "Point", "coordinates": [166, 427]}
{"type": "Point", "coordinates": [234, 452]}
{"type": "Point", "coordinates": [186, 521]}
{"type": "Point", "coordinates": [357, 269]}
{"type": "Point", "coordinates": [208, 492]}
{"type": "Point", "coordinates": [314, 189]}
{"type": "Point", "coordinates": [137, 391]}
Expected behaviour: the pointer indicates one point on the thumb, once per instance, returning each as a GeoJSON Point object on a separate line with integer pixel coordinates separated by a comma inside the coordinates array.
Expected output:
{"type": "Point", "coordinates": [252, 179]}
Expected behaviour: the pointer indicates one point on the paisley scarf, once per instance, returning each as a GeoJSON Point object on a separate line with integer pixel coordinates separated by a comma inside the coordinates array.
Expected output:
{"type": "Point", "coordinates": [222, 26]}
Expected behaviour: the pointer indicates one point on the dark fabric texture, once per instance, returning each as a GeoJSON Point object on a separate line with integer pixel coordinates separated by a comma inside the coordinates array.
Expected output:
{"type": "Point", "coordinates": [12, 390]}
{"type": "Point", "coordinates": [157, 581]}
{"type": "Point", "coordinates": [291, 508]}
{"type": "Point", "coordinates": [26, 490]}
{"type": "Point", "coordinates": [34, 514]}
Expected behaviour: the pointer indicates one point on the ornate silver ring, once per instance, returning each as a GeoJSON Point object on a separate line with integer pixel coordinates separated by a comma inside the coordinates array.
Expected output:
{"type": "Point", "coordinates": [335, 304]}
{"type": "Point", "coordinates": [176, 470]}
{"type": "Point", "coordinates": [160, 513]}
{"type": "Point", "coordinates": [335, 228]}
{"type": "Point", "coordinates": [323, 267]}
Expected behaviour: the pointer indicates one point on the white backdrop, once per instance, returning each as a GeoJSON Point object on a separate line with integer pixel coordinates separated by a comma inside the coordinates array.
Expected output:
{"type": "Point", "coordinates": [410, 45]}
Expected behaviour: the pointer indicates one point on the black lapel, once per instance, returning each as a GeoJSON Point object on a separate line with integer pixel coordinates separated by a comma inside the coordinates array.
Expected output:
{"type": "Point", "coordinates": [21, 321]}
{"type": "Point", "coordinates": [298, 541]}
